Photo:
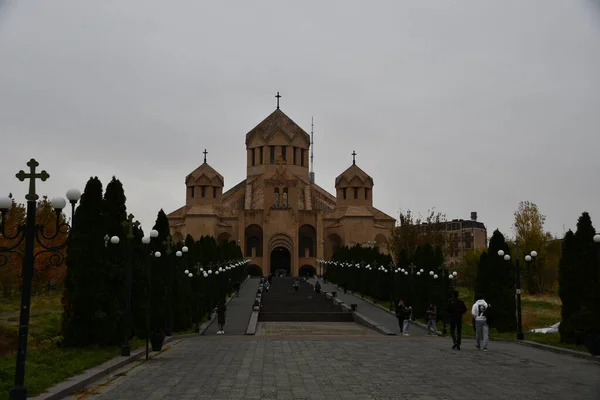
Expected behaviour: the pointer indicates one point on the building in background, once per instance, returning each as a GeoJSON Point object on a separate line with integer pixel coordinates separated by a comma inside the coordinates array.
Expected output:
{"type": "Point", "coordinates": [462, 236]}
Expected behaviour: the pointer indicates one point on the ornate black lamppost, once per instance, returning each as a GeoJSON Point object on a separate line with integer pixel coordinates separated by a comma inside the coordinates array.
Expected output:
{"type": "Point", "coordinates": [200, 274]}
{"type": "Point", "coordinates": [168, 250]}
{"type": "Point", "coordinates": [517, 268]}
{"type": "Point", "coordinates": [130, 227]}
{"type": "Point", "coordinates": [31, 233]}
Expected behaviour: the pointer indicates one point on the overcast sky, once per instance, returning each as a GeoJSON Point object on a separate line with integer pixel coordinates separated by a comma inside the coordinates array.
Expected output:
{"type": "Point", "coordinates": [461, 105]}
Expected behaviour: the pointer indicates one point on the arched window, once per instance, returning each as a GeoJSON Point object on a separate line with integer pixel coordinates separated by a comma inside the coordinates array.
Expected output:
{"type": "Point", "coordinates": [276, 197]}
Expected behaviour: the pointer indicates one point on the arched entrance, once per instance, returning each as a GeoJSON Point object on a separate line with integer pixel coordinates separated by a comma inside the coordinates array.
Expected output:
{"type": "Point", "coordinates": [307, 270]}
{"type": "Point", "coordinates": [281, 261]}
{"type": "Point", "coordinates": [254, 270]}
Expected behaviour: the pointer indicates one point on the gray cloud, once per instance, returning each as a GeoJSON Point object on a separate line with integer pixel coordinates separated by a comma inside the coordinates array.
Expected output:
{"type": "Point", "coordinates": [462, 106]}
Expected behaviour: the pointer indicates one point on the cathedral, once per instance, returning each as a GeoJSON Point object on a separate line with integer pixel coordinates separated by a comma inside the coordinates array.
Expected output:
{"type": "Point", "coordinates": [281, 219]}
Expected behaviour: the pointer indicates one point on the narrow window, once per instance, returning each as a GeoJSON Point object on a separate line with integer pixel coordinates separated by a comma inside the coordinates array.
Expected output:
{"type": "Point", "coordinates": [215, 192]}
{"type": "Point", "coordinates": [294, 152]}
{"type": "Point", "coordinates": [192, 191]}
{"type": "Point", "coordinates": [345, 192]}
{"type": "Point", "coordinates": [302, 157]}
{"type": "Point", "coordinates": [253, 156]}
{"type": "Point", "coordinates": [356, 193]}
{"type": "Point", "coordinates": [272, 155]}
{"type": "Point", "coordinates": [260, 152]}
{"type": "Point", "coordinates": [283, 152]}
{"type": "Point", "coordinates": [285, 197]}
{"type": "Point", "coordinates": [276, 195]}
{"type": "Point", "coordinates": [203, 191]}
{"type": "Point", "coordinates": [366, 193]}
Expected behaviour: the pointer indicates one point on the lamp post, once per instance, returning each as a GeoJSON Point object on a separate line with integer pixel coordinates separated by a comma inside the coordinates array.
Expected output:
{"type": "Point", "coordinates": [31, 233]}
{"type": "Point", "coordinates": [199, 274]}
{"type": "Point", "coordinates": [517, 267]}
{"type": "Point", "coordinates": [130, 227]}
{"type": "Point", "coordinates": [168, 243]}
{"type": "Point", "coordinates": [597, 240]}
{"type": "Point", "coordinates": [149, 256]}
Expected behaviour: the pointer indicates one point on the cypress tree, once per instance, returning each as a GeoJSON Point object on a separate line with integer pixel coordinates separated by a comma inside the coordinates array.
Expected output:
{"type": "Point", "coordinates": [85, 321]}
{"type": "Point", "coordinates": [159, 275]}
{"type": "Point", "coordinates": [114, 213]}
{"type": "Point", "coordinates": [496, 282]}
{"type": "Point", "coordinates": [568, 288]}
{"type": "Point", "coordinates": [581, 312]}
{"type": "Point", "coordinates": [141, 287]}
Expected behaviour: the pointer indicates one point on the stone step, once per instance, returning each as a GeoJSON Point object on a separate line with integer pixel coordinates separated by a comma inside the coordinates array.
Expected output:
{"type": "Point", "coordinates": [305, 317]}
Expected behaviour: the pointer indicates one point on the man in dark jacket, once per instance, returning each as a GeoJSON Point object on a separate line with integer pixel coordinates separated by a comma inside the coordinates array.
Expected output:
{"type": "Point", "coordinates": [456, 309]}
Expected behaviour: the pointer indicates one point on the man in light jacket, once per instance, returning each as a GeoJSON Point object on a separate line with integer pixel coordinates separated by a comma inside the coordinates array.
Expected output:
{"type": "Point", "coordinates": [480, 312]}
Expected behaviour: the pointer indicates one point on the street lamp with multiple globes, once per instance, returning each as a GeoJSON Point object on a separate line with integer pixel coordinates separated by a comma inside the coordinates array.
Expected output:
{"type": "Point", "coordinates": [32, 233]}
{"type": "Point", "coordinates": [130, 227]}
{"type": "Point", "coordinates": [517, 267]}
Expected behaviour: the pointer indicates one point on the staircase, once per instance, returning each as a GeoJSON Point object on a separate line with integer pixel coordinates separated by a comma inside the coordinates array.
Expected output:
{"type": "Point", "coordinates": [281, 304]}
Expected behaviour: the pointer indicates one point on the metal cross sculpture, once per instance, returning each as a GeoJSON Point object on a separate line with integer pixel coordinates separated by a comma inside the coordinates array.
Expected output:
{"type": "Point", "coordinates": [205, 153]}
{"type": "Point", "coordinates": [278, 97]}
{"type": "Point", "coordinates": [32, 164]}
{"type": "Point", "coordinates": [130, 226]}
{"type": "Point", "coordinates": [168, 243]}
{"type": "Point", "coordinates": [353, 157]}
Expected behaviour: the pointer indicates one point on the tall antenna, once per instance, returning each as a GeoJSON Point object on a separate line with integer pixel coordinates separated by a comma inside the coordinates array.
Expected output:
{"type": "Point", "coordinates": [312, 156]}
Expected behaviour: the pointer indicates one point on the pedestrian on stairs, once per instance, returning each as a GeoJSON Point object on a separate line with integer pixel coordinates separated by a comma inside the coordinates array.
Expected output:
{"type": "Point", "coordinates": [296, 286]}
{"type": "Point", "coordinates": [317, 287]}
{"type": "Point", "coordinates": [221, 309]}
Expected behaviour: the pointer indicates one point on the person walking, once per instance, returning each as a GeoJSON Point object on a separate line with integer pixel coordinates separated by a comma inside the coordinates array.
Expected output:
{"type": "Point", "coordinates": [480, 313]}
{"type": "Point", "coordinates": [431, 319]}
{"type": "Point", "coordinates": [318, 287]}
{"type": "Point", "coordinates": [403, 313]}
{"type": "Point", "coordinates": [221, 310]}
{"type": "Point", "coordinates": [456, 310]}
{"type": "Point", "coordinates": [296, 286]}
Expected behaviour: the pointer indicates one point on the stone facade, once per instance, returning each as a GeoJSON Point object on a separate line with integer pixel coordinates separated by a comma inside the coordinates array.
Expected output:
{"type": "Point", "coordinates": [279, 217]}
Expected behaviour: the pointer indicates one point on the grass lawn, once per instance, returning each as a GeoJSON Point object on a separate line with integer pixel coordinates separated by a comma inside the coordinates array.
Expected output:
{"type": "Point", "coordinates": [47, 364]}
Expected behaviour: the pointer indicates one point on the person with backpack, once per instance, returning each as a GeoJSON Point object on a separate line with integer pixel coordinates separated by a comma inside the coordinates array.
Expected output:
{"type": "Point", "coordinates": [456, 309]}
{"type": "Point", "coordinates": [480, 312]}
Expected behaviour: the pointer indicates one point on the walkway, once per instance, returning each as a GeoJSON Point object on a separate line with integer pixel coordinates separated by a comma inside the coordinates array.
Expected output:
{"type": "Point", "coordinates": [361, 368]}
{"type": "Point", "coordinates": [369, 310]}
{"type": "Point", "coordinates": [239, 310]}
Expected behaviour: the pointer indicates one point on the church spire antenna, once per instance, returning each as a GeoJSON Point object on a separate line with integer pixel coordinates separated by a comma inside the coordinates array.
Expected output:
{"type": "Point", "coordinates": [312, 146]}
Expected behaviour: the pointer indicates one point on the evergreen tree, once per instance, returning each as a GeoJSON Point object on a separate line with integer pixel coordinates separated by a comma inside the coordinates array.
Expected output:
{"type": "Point", "coordinates": [140, 295]}
{"type": "Point", "coordinates": [568, 290]}
{"type": "Point", "coordinates": [181, 292]}
{"type": "Point", "coordinates": [114, 213]}
{"type": "Point", "coordinates": [496, 282]}
{"type": "Point", "coordinates": [580, 265]}
{"type": "Point", "coordinates": [159, 275]}
{"type": "Point", "coordinates": [85, 320]}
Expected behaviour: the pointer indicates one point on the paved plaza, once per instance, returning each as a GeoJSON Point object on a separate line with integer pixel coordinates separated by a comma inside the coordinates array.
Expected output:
{"type": "Point", "coordinates": [359, 367]}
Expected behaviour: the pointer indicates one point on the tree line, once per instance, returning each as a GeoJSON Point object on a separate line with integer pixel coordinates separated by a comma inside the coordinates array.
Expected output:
{"type": "Point", "coordinates": [163, 294]}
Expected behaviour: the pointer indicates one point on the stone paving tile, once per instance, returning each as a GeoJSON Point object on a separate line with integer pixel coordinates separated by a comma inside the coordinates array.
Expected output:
{"type": "Point", "coordinates": [239, 310]}
{"type": "Point", "coordinates": [362, 368]}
